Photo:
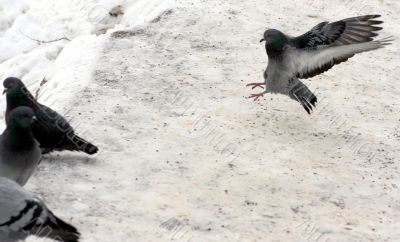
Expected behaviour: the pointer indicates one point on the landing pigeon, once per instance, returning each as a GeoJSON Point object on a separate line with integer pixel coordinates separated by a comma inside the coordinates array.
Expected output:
{"type": "Point", "coordinates": [19, 151]}
{"type": "Point", "coordinates": [23, 215]}
{"type": "Point", "coordinates": [310, 54]}
{"type": "Point", "coordinates": [51, 130]}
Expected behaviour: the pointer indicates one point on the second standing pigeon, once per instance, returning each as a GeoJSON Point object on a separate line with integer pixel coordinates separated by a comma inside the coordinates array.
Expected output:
{"type": "Point", "coordinates": [51, 130]}
{"type": "Point", "coordinates": [19, 151]}
{"type": "Point", "coordinates": [310, 54]}
{"type": "Point", "coordinates": [23, 215]}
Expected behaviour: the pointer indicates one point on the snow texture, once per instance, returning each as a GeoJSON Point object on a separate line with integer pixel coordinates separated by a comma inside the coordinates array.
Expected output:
{"type": "Point", "coordinates": [159, 86]}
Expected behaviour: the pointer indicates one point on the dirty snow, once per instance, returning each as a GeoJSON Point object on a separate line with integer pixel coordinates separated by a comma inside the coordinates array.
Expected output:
{"type": "Point", "coordinates": [160, 88]}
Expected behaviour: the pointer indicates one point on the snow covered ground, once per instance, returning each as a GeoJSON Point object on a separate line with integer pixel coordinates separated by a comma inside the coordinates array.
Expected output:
{"type": "Point", "coordinates": [159, 86]}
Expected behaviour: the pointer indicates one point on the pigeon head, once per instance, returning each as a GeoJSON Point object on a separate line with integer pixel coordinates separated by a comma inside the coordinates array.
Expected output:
{"type": "Point", "coordinates": [12, 85]}
{"type": "Point", "coordinates": [17, 94]}
{"type": "Point", "coordinates": [274, 40]}
{"type": "Point", "coordinates": [20, 118]}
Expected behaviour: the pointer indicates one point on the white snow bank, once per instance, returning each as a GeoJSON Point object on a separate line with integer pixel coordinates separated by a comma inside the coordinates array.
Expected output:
{"type": "Point", "coordinates": [72, 70]}
{"type": "Point", "coordinates": [143, 11]}
{"type": "Point", "coordinates": [34, 33]}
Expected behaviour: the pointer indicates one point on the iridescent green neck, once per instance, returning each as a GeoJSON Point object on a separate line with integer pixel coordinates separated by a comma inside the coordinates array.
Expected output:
{"type": "Point", "coordinates": [276, 43]}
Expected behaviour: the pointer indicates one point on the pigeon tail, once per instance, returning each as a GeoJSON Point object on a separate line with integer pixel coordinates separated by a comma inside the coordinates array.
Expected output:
{"type": "Point", "coordinates": [304, 96]}
{"type": "Point", "coordinates": [80, 144]}
{"type": "Point", "coordinates": [74, 143]}
{"type": "Point", "coordinates": [56, 229]}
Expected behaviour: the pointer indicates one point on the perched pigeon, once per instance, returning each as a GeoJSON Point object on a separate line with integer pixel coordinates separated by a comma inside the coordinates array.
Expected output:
{"type": "Point", "coordinates": [51, 130]}
{"type": "Point", "coordinates": [23, 215]}
{"type": "Point", "coordinates": [310, 54]}
{"type": "Point", "coordinates": [19, 151]}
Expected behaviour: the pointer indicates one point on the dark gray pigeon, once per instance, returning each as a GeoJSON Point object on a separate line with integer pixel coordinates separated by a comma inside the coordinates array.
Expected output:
{"type": "Point", "coordinates": [310, 54]}
{"type": "Point", "coordinates": [19, 151]}
{"type": "Point", "coordinates": [51, 130]}
{"type": "Point", "coordinates": [23, 215]}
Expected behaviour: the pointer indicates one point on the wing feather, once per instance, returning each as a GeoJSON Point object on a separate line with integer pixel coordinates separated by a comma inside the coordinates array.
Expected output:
{"type": "Point", "coordinates": [328, 44]}
{"type": "Point", "coordinates": [347, 31]}
{"type": "Point", "coordinates": [311, 63]}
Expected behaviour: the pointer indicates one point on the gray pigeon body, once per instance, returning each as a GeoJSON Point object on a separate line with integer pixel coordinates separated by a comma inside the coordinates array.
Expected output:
{"type": "Point", "coordinates": [50, 129]}
{"type": "Point", "coordinates": [23, 215]}
{"type": "Point", "coordinates": [327, 44]}
{"type": "Point", "coordinates": [19, 151]}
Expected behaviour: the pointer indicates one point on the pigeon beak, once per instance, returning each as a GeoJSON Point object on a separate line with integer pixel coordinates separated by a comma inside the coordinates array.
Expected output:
{"type": "Point", "coordinates": [34, 119]}
{"type": "Point", "coordinates": [262, 40]}
{"type": "Point", "coordinates": [5, 90]}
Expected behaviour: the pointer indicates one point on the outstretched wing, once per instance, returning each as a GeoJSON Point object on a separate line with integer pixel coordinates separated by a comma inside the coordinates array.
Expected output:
{"type": "Point", "coordinates": [344, 32]}
{"type": "Point", "coordinates": [308, 63]}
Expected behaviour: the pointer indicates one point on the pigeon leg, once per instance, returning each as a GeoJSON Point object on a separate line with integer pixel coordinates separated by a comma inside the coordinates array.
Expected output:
{"type": "Point", "coordinates": [255, 84]}
{"type": "Point", "coordinates": [256, 96]}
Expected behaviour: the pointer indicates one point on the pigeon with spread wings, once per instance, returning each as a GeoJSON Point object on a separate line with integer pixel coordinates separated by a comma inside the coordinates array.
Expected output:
{"type": "Point", "coordinates": [310, 54]}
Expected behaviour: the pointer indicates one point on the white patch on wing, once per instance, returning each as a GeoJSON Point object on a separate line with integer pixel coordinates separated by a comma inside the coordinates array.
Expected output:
{"type": "Point", "coordinates": [310, 63]}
